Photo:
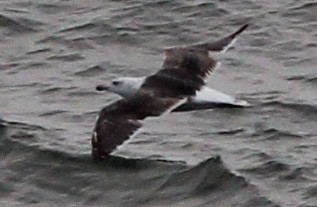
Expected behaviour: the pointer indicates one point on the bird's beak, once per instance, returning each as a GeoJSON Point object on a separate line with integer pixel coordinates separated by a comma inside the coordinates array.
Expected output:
{"type": "Point", "coordinates": [102, 87]}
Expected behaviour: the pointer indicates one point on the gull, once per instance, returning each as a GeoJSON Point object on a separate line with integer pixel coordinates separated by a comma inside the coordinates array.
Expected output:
{"type": "Point", "coordinates": [206, 98]}
{"type": "Point", "coordinates": [181, 80]}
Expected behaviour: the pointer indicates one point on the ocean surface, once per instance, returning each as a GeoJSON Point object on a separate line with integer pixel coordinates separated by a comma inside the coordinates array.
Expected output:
{"type": "Point", "coordinates": [54, 52]}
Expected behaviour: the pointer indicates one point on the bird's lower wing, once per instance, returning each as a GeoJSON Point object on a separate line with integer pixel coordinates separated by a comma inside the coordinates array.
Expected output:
{"type": "Point", "coordinates": [110, 133]}
{"type": "Point", "coordinates": [119, 121]}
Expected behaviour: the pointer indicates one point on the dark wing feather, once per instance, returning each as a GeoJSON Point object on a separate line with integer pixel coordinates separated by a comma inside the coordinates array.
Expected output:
{"type": "Point", "coordinates": [182, 75]}
{"type": "Point", "coordinates": [181, 57]}
{"type": "Point", "coordinates": [220, 44]}
{"type": "Point", "coordinates": [172, 83]}
{"type": "Point", "coordinates": [189, 59]}
{"type": "Point", "coordinates": [110, 133]}
{"type": "Point", "coordinates": [120, 120]}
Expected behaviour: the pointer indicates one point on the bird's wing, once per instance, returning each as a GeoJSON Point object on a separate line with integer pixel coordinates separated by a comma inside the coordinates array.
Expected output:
{"type": "Point", "coordinates": [175, 57]}
{"type": "Point", "coordinates": [182, 76]}
{"type": "Point", "coordinates": [221, 44]}
{"type": "Point", "coordinates": [120, 120]}
{"type": "Point", "coordinates": [110, 133]}
{"type": "Point", "coordinates": [187, 58]}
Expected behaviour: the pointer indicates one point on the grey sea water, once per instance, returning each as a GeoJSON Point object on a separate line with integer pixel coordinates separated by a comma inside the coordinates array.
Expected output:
{"type": "Point", "coordinates": [54, 52]}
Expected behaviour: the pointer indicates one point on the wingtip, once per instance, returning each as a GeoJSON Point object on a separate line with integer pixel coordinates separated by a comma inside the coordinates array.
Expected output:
{"type": "Point", "coordinates": [240, 30]}
{"type": "Point", "coordinates": [245, 25]}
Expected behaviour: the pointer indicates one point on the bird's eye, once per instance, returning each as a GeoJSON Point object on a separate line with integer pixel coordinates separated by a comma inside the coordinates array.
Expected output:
{"type": "Point", "coordinates": [115, 83]}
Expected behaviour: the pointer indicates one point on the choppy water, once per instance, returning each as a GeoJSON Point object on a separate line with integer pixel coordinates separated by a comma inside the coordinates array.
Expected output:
{"type": "Point", "coordinates": [53, 54]}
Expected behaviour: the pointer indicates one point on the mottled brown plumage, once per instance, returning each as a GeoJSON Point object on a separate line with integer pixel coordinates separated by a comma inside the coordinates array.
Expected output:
{"type": "Point", "coordinates": [183, 74]}
{"type": "Point", "coordinates": [158, 94]}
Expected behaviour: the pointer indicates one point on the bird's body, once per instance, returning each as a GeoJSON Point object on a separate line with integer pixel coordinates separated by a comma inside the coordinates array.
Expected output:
{"type": "Point", "coordinates": [205, 98]}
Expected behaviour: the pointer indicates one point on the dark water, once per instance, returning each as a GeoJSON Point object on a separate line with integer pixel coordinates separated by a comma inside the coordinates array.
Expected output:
{"type": "Point", "coordinates": [54, 53]}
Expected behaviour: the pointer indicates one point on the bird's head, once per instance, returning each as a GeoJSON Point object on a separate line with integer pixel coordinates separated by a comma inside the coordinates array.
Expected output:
{"type": "Point", "coordinates": [125, 87]}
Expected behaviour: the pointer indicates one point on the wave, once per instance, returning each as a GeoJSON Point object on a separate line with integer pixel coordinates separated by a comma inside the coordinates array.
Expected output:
{"type": "Point", "coordinates": [77, 43]}
{"type": "Point", "coordinates": [55, 174]}
{"type": "Point", "coordinates": [209, 175]}
{"type": "Point", "coordinates": [53, 112]}
{"type": "Point", "coordinates": [54, 8]}
{"type": "Point", "coordinates": [80, 27]}
{"type": "Point", "coordinates": [299, 174]}
{"type": "Point", "coordinates": [312, 80]}
{"type": "Point", "coordinates": [92, 71]}
{"type": "Point", "coordinates": [304, 6]}
{"type": "Point", "coordinates": [275, 134]}
{"type": "Point", "coordinates": [212, 180]}
{"type": "Point", "coordinates": [304, 108]}
{"type": "Point", "coordinates": [49, 90]}
{"type": "Point", "coordinates": [19, 25]}
{"type": "Point", "coordinates": [230, 131]}
{"type": "Point", "coordinates": [267, 168]}
{"type": "Point", "coordinates": [311, 192]}
{"type": "Point", "coordinates": [67, 57]}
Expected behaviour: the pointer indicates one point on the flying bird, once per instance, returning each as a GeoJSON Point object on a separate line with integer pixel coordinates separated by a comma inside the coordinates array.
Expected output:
{"type": "Point", "coordinates": [183, 74]}
{"type": "Point", "coordinates": [206, 98]}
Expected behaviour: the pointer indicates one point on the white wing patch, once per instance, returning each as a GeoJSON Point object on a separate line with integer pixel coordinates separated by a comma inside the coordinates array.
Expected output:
{"type": "Point", "coordinates": [209, 95]}
{"type": "Point", "coordinates": [218, 64]}
{"type": "Point", "coordinates": [94, 137]}
{"type": "Point", "coordinates": [126, 142]}
{"type": "Point", "coordinates": [228, 46]}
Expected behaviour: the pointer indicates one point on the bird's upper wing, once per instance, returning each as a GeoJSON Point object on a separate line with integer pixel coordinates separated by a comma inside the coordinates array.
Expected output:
{"type": "Point", "coordinates": [221, 44]}
{"type": "Point", "coordinates": [183, 74]}
{"type": "Point", "coordinates": [176, 57]}
{"type": "Point", "coordinates": [187, 58]}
